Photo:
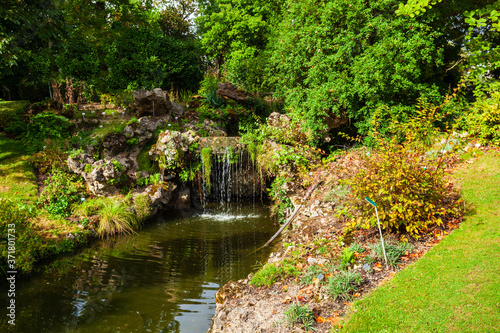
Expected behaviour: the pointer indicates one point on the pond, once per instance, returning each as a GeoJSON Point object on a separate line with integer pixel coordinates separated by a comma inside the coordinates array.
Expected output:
{"type": "Point", "coordinates": [162, 279]}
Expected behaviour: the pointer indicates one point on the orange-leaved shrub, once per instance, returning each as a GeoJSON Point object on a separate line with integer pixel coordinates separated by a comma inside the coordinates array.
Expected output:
{"type": "Point", "coordinates": [408, 186]}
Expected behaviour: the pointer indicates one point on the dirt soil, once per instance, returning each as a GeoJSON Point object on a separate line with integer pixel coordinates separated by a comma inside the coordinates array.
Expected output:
{"type": "Point", "coordinates": [317, 237]}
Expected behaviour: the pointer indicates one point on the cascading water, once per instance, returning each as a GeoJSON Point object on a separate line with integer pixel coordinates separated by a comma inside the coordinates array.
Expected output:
{"type": "Point", "coordinates": [231, 183]}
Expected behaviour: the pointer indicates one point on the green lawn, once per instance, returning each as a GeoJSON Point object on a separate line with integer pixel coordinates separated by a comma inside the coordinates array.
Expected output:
{"type": "Point", "coordinates": [455, 287]}
{"type": "Point", "coordinates": [17, 179]}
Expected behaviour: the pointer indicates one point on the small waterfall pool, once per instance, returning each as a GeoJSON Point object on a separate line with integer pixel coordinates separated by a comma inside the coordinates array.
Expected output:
{"type": "Point", "coordinates": [162, 279]}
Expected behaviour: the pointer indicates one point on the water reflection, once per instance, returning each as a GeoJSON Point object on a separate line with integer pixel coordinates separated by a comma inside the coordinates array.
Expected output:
{"type": "Point", "coordinates": [161, 280]}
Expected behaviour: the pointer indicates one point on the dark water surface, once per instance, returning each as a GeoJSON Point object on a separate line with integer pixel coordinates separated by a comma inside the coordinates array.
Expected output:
{"type": "Point", "coordinates": [161, 280]}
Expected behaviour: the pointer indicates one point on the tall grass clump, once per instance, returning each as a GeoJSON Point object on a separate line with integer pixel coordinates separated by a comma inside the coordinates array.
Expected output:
{"type": "Point", "coordinates": [114, 214]}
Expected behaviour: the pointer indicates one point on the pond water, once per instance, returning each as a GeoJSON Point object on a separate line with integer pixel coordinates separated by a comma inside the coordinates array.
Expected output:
{"type": "Point", "coordinates": [162, 279]}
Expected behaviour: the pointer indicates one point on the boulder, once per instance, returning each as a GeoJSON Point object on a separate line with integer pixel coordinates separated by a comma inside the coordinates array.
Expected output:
{"type": "Point", "coordinates": [177, 109]}
{"type": "Point", "coordinates": [172, 145]}
{"type": "Point", "coordinates": [276, 119]}
{"type": "Point", "coordinates": [229, 90]}
{"type": "Point", "coordinates": [207, 128]}
{"type": "Point", "coordinates": [160, 195]}
{"type": "Point", "coordinates": [152, 102]}
{"type": "Point", "coordinates": [101, 176]}
{"type": "Point", "coordinates": [113, 144]}
{"type": "Point", "coordinates": [144, 130]}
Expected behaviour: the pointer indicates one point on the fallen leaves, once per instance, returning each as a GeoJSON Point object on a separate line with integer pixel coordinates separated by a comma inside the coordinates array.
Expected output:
{"type": "Point", "coordinates": [332, 320]}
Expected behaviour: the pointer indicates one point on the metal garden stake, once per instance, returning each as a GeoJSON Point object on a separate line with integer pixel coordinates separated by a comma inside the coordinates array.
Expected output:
{"type": "Point", "coordinates": [379, 229]}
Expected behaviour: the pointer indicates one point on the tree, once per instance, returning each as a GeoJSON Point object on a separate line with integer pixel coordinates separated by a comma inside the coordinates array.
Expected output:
{"type": "Point", "coordinates": [237, 33]}
{"type": "Point", "coordinates": [28, 30]}
{"type": "Point", "coordinates": [482, 40]}
{"type": "Point", "coordinates": [347, 58]}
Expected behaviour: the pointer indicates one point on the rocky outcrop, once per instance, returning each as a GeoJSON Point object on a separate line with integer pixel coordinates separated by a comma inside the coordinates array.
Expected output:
{"type": "Point", "coordinates": [171, 147]}
{"type": "Point", "coordinates": [125, 147]}
{"type": "Point", "coordinates": [206, 128]}
{"type": "Point", "coordinates": [279, 120]}
{"type": "Point", "coordinates": [101, 176]}
{"type": "Point", "coordinates": [229, 90]}
{"type": "Point", "coordinates": [144, 130]}
{"type": "Point", "coordinates": [155, 102]}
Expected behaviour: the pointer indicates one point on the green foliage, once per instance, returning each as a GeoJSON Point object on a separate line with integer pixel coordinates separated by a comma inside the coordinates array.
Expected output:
{"type": "Point", "coordinates": [483, 119]}
{"type": "Point", "coordinates": [357, 247]}
{"type": "Point", "coordinates": [132, 120]}
{"type": "Point", "coordinates": [279, 196]}
{"type": "Point", "coordinates": [47, 125]}
{"type": "Point", "coordinates": [393, 251]}
{"type": "Point", "coordinates": [208, 89]}
{"type": "Point", "coordinates": [409, 190]}
{"type": "Point", "coordinates": [120, 99]}
{"type": "Point", "coordinates": [346, 58]}
{"type": "Point", "coordinates": [347, 258]}
{"type": "Point", "coordinates": [132, 141]}
{"type": "Point", "coordinates": [115, 217]}
{"type": "Point", "coordinates": [155, 179]}
{"type": "Point", "coordinates": [114, 214]}
{"type": "Point", "coordinates": [114, 127]}
{"type": "Point", "coordinates": [79, 59]}
{"type": "Point", "coordinates": [142, 207]}
{"type": "Point", "coordinates": [407, 185]}
{"type": "Point", "coordinates": [342, 285]}
{"type": "Point", "coordinates": [61, 190]}
{"type": "Point", "coordinates": [299, 314]}
{"type": "Point", "coordinates": [51, 157]}
{"type": "Point", "coordinates": [14, 217]}
{"type": "Point", "coordinates": [272, 272]}
{"type": "Point", "coordinates": [143, 58]}
{"type": "Point", "coordinates": [415, 7]}
{"type": "Point", "coordinates": [312, 272]}
{"type": "Point", "coordinates": [238, 32]}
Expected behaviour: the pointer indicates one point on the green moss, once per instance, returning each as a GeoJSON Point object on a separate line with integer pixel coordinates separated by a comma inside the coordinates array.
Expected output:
{"type": "Point", "coordinates": [144, 161]}
{"type": "Point", "coordinates": [206, 155]}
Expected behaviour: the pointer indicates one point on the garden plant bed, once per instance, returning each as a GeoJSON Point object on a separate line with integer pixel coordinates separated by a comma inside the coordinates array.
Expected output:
{"type": "Point", "coordinates": [318, 241]}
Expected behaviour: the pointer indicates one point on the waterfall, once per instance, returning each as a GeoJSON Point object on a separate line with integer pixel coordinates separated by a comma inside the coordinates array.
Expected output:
{"type": "Point", "coordinates": [229, 178]}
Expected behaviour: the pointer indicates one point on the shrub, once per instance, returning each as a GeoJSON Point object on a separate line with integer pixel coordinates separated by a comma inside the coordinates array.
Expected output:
{"type": "Point", "coordinates": [282, 202]}
{"type": "Point", "coordinates": [51, 157]}
{"type": "Point", "coordinates": [344, 284]}
{"type": "Point", "coordinates": [483, 119]}
{"type": "Point", "coordinates": [61, 190]}
{"type": "Point", "coordinates": [208, 89]}
{"type": "Point", "coordinates": [44, 126]}
{"type": "Point", "coordinates": [114, 214]}
{"type": "Point", "coordinates": [299, 314]}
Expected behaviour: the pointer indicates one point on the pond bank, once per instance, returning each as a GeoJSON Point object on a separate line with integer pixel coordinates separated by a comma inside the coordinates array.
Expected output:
{"type": "Point", "coordinates": [311, 252]}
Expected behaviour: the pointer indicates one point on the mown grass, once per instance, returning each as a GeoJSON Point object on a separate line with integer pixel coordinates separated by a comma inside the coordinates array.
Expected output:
{"type": "Point", "coordinates": [455, 287]}
{"type": "Point", "coordinates": [17, 180]}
